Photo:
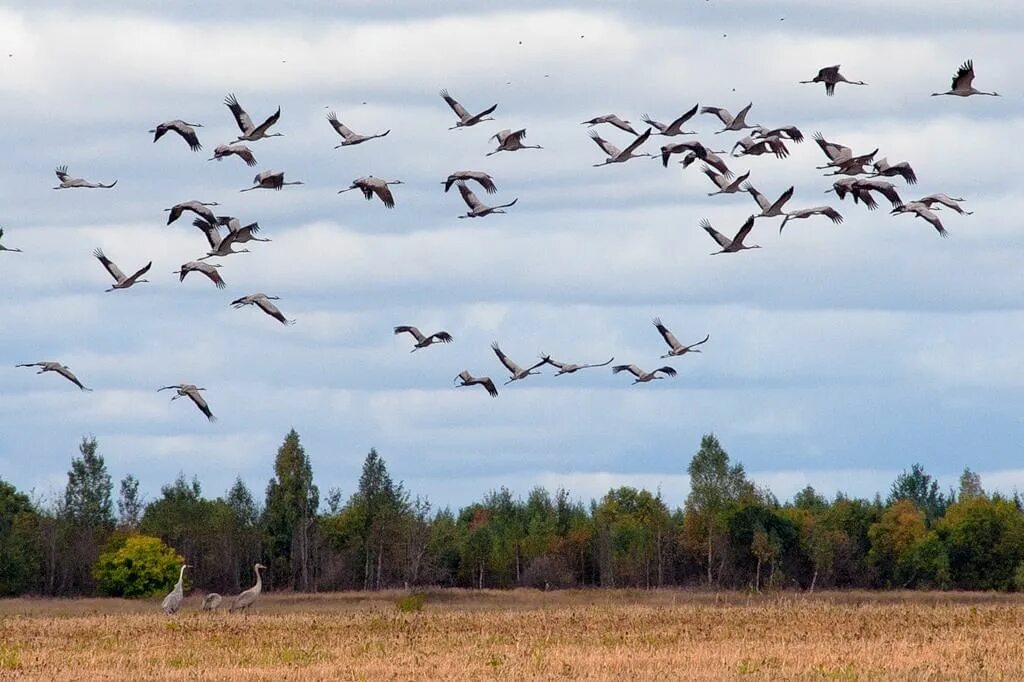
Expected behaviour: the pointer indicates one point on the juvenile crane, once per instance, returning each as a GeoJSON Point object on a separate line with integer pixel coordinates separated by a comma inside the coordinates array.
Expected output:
{"type": "Point", "coordinates": [616, 155]}
{"type": "Point", "coordinates": [68, 182]}
{"type": "Point", "coordinates": [371, 186]}
{"type": "Point", "coordinates": [191, 391]}
{"type": "Point", "coordinates": [483, 179]}
{"type": "Point", "coordinates": [263, 302]}
{"type": "Point", "coordinates": [348, 137]}
{"type": "Point", "coordinates": [675, 348]}
{"type": "Point", "coordinates": [204, 268]}
{"type": "Point", "coordinates": [569, 368]}
{"type": "Point", "coordinates": [186, 130]}
{"type": "Point", "coordinates": [465, 118]}
{"type": "Point", "coordinates": [6, 248]}
{"type": "Point", "coordinates": [251, 133]}
{"type": "Point", "coordinates": [270, 180]}
{"type": "Point", "coordinates": [516, 371]}
{"type": "Point", "coordinates": [477, 208]}
{"type": "Point", "coordinates": [172, 602]}
{"type": "Point", "coordinates": [249, 597]}
{"type": "Point", "coordinates": [212, 601]}
{"type": "Point", "coordinates": [120, 281]}
{"type": "Point", "coordinates": [643, 377]}
{"type": "Point", "coordinates": [675, 127]}
{"type": "Point", "coordinates": [803, 213]}
{"type": "Point", "coordinates": [197, 207]}
{"type": "Point", "coordinates": [730, 245]}
{"type": "Point", "coordinates": [59, 369]}
{"type": "Point", "coordinates": [509, 141]}
{"type": "Point", "coordinates": [222, 151]}
{"type": "Point", "coordinates": [731, 123]}
{"type": "Point", "coordinates": [830, 76]}
{"type": "Point", "coordinates": [963, 83]}
{"type": "Point", "coordinates": [611, 119]}
{"type": "Point", "coordinates": [468, 379]}
{"type": "Point", "coordinates": [922, 211]}
{"type": "Point", "coordinates": [421, 340]}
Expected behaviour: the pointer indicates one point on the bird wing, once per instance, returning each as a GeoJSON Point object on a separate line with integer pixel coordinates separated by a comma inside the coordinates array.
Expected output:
{"type": "Point", "coordinates": [210, 230]}
{"type": "Point", "coordinates": [384, 192]}
{"type": "Point", "coordinates": [761, 199]}
{"type": "Point", "coordinates": [786, 196]}
{"type": "Point", "coordinates": [339, 127]}
{"type": "Point", "coordinates": [701, 342]}
{"type": "Point", "coordinates": [654, 124]}
{"type": "Point", "coordinates": [553, 363]}
{"type": "Point", "coordinates": [114, 271]}
{"type": "Point", "coordinates": [189, 135]}
{"type": "Point", "coordinates": [723, 115]}
{"type": "Point", "coordinates": [611, 150]}
{"type": "Point", "coordinates": [717, 162]}
{"type": "Point", "coordinates": [141, 271]}
{"type": "Point", "coordinates": [744, 231]}
{"type": "Point", "coordinates": [677, 124]}
{"type": "Point", "coordinates": [668, 371]}
{"type": "Point", "coordinates": [459, 110]}
{"type": "Point", "coordinates": [271, 120]}
{"type": "Point", "coordinates": [722, 240]}
{"type": "Point", "coordinates": [600, 364]}
{"type": "Point", "coordinates": [66, 373]}
{"type": "Point", "coordinates": [511, 366]}
{"type": "Point", "coordinates": [793, 132]}
{"type": "Point", "coordinates": [903, 168]}
{"type": "Point", "coordinates": [485, 181]}
{"type": "Point", "coordinates": [635, 144]}
{"type": "Point", "coordinates": [212, 273]}
{"type": "Point", "coordinates": [246, 155]}
{"type": "Point", "coordinates": [416, 333]}
{"type": "Point", "coordinates": [964, 78]}
{"type": "Point", "coordinates": [831, 149]}
{"type": "Point", "coordinates": [669, 337]}
{"type": "Point", "coordinates": [742, 116]}
{"type": "Point", "coordinates": [442, 336]}
{"type": "Point", "coordinates": [933, 219]}
{"type": "Point", "coordinates": [193, 394]}
{"type": "Point", "coordinates": [469, 197]}
{"type": "Point", "coordinates": [271, 309]}
{"type": "Point", "coordinates": [489, 385]}
{"type": "Point", "coordinates": [632, 369]}
{"type": "Point", "coordinates": [62, 173]}
{"type": "Point", "coordinates": [241, 118]}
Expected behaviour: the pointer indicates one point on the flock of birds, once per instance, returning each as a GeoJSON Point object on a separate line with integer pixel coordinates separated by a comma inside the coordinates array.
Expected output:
{"type": "Point", "coordinates": [212, 601]}
{"type": "Point", "coordinates": [861, 179]}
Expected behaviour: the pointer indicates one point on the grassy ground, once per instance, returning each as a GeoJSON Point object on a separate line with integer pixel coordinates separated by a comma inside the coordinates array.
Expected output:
{"type": "Point", "coordinates": [523, 634]}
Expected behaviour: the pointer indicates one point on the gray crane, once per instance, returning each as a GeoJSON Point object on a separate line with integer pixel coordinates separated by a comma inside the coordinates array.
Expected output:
{"type": "Point", "coordinates": [263, 302]}
{"type": "Point", "coordinates": [769, 209]}
{"type": "Point", "coordinates": [191, 391]}
{"type": "Point", "coordinates": [569, 368]}
{"type": "Point", "coordinates": [197, 207]}
{"type": "Point", "coordinates": [616, 155]}
{"type": "Point", "coordinates": [511, 141]}
{"type": "Point", "coordinates": [963, 83]}
{"type": "Point", "coordinates": [246, 599]}
{"type": "Point", "coordinates": [484, 180]}
{"type": "Point", "coordinates": [250, 132]}
{"type": "Point", "coordinates": [212, 601]}
{"type": "Point", "coordinates": [830, 76]}
{"type": "Point", "coordinates": [675, 127]}
{"type": "Point", "coordinates": [468, 379]}
{"type": "Point", "coordinates": [120, 280]}
{"type": "Point", "coordinates": [59, 369]}
{"type": "Point", "coordinates": [349, 138]}
{"type": "Point", "coordinates": [922, 211]}
{"type": "Point", "coordinates": [183, 128]}
{"type": "Point", "coordinates": [68, 182]}
{"type": "Point", "coordinates": [172, 602]}
{"type": "Point", "coordinates": [269, 179]}
{"type": "Point", "coordinates": [6, 248]}
{"type": "Point", "coordinates": [423, 341]}
{"type": "Point", "coordinates": [643, 377]}
{"type": "Point", "coordinates": [731, 123]}
{"type": "Point", "coordinates": [240, 233]}
{"type": "Point", "coordinates": [223, 151]}
{"type": "Point", "coordinates": [675, 348]}
{"type": "Point", "coordinates": [884, 168]}
{"type": "Point", "coordinates": [477, 208]}
{"type": "Point", "coordinates": [730, 245]}
{"type": "Point", "coordinates": [710, 158]}
{"type": "Point", "coordinates": [749, 146]}
{"type": "Point", "coordinates": [861, 190]}
{"type": "Point", "coordinates": [611, 119]}
{"type": "Point", "coordinates": [693, 147]}
{"type": "Point", "coordinates": [465, 118]}
{"type": "Point", "coordinates": [204, 268]}
{"type": "Point", "coordinates": [220, 246]}
{"type": "Point", "coordinates": [803, 213]}
{"type": "Point", "coordinates": [725, 186]}
{"type": "Point", "coordinates": [370, 186]}
{"type": "Point", "coordinates": [841, 157]}
{"type": "Point", "coordinates": [944, 199]}
{"type": "Point", "coordinates": [785, 132]}
{"type": "Point", "coordinates": [516, 372]}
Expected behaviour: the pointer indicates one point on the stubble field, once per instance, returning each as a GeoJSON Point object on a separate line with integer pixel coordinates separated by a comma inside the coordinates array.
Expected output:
{"type": "Point", "coordinates": [523, 634]}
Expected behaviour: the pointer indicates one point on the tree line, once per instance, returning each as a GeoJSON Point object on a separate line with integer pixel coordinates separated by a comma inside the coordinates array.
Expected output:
{"type": "Point", "coordinates": [728, 534]}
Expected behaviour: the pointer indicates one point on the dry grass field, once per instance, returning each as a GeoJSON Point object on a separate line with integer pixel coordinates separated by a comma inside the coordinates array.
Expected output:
{"type": "Point", "coordinates": [522, 634]}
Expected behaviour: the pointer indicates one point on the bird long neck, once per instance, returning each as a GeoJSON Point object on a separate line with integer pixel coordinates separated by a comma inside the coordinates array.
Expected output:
{"type": "Point", "coordinates": [181, 576]}
{"type": "Point", "coordinates": [259, 578]}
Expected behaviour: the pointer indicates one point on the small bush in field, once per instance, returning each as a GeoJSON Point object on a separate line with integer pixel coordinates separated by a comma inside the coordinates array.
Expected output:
{"type": "Point", "coordinates": [137, 566]}
{"type": "Point", "coordinates": [411, 603]}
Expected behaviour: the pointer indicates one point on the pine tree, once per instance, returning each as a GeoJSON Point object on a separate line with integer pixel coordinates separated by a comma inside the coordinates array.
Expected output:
{"type": "Point", "coordinates": [290, 515]}
{"type": "Point", "coordinates": [86, 516]}
{"type": "Point", "coordinates": [129, 504]}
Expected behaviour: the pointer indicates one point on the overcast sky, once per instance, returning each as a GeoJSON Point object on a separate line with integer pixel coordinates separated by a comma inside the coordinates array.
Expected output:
{"type": "Point", "coordinates": [839, 355]}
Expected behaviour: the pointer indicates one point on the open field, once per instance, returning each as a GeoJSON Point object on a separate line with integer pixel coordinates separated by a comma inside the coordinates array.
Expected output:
{"type": "Point", "coordinates": [524, 635]}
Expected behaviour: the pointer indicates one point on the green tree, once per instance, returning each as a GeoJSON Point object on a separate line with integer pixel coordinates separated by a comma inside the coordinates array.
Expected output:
{"type": "Point", "coordinates": [290, 515]}
{"type": "Point", "coordinates": [920, 488]}
{"type": "Point", "coordinates": [970, 485]}
{"type": "Point", "coordinates": [129, 504]}
{"type": "Point", "coordinates": [137, 566]}
{"type": "Point", "coordinates": [901, 526]}
{"type": "Point", "coordinates": [984, 541]}
{"type": "Point", "coordinates": [19, 556]}
{"type": "Point", "coordinates": [87, 516]}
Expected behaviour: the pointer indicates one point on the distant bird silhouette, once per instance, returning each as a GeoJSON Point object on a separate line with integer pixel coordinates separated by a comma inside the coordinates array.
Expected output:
{"type": "Point", "coordinates": [830, 76]}
{"type": "Point", "coordinates": [477, 208]}
{"type": "Point", "coordinates": [675, 127]}
{"type": "Point", "coordinates": [676, 348]}
{"type": "Point", "coordinates": [484, 180]}
{"type": "Point", "coordinates": [730, 245]}
{"type": "Point", "coordinates": [371, 186]}
{"type": "Point", "coordinates": [191, 391]}
{"type": "Point", "coordinates": [348, 137]}
{"type": "Point", "coordinates": [611, 119]}
{"type": "Point", "coordinates": [421, 340]}
{"type": "Point", "coordinates": [903, 169]}
{"type": "Point", "coordinates": [468, 379]}
{"type": "Point", "coordinates": [68, 182]}
{"type": "Point", "coordinates": [120, 280]}
{"type": "Point", "coordinates": [465, 118]}
{"type": "Point", "coordinates": [263, 302]}
{"type": "Point", "coordinates": [240, 150]}
{"type": "Point", "coordinates": [186, 130]}
{"type": "Point", "coordinates": [270, 180]}
{"type": "Point", "coordinates": [802, 213]}
{"type": "Point", "coordinates": [509, 141]}
{"type": "Point", "coordinates": [731, 123]}
{"type": "Point", "coordinates": [197, 207]}
{"type": "Point", "coordinates": [568, 368]}
{"type": "Point", "coordinates": [943, 199]}
{"type": "Point", "coordinates": [204, 268]}
{"type": "Point", "coordinates": [58, 369]}
{"type": "Point", "coordinates": [922, 211]}
{"type": "Point", "coordinates": [616, 155]}
{"type": "Point", "coordinates": [250, 132]}
{"type": "Point", "coordinates": [643, 377]}
{"type": "Point", "coordinates": [5, 248]}
{"type": "Point", "coordinates": [517, 372]}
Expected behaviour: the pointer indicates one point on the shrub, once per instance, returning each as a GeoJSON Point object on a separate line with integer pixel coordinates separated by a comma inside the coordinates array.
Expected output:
{"type": "Point", "coordinates": [137, 566]}
{"type": "Point", "coordinates": [411, 603]}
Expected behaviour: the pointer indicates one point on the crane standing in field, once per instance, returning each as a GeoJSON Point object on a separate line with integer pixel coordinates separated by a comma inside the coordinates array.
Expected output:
{"type": "Point", "coordinates": [247, 598]}
{"type": "Point", "coordinates": [172, 602]}
{"type": "Point", "coordinates": [212, 601]}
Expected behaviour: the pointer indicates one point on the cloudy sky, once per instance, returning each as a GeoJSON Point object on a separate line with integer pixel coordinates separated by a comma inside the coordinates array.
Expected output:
{"type": "Point", "coordinates": [839, 355]}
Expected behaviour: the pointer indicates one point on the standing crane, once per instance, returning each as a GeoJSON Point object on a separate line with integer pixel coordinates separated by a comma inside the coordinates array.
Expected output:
{"type": "Point", "coordinates": [371, 186]}
{"type": "Point", "coordinates": [516, 371]}
{"type": "Point", "coordinates": [421, 340]}
{"type": "Point", "coordinates": [616, 155]}
{"type": "Point", "coordinates": [205, 268]}
{"type": "Point", "coordinates": [270, 180]}
{"type": "Point", "coordinates": [57, 368]}
{"type": "Point", "coordinates": [477, 208]}
{"type": "Point", "coordinates": [613, 120]}
{"type": "Point", "coordinates": [730, 245]}
{"type": "Point", "coordinates": [569, 368]}
{"type": "Point", "coordinates": [263, 302]}
{"type": "Point", "coordinates": [509, 141]}
{"type": "Point", "coordinates": [68, 182]}
{"type": "Point", "coordinates": [186, 130]}
{"type": "Point", "coordinates": [172, 602]}
{"type": "Point", "coordinates": [223, 151]}
{"type": "Point", "coordinates": [5, 248]}
{"type": "Point", "coordinates": [120, 281]}
{"type": "Point", "coordinates": [468, 379]}
{"type": "Point", "coordinates": [197, 207]}
{"type": "Point", "coordinates": [349, 138]}
{"type": "Point", "coordinates": [643, 377]}
{"type": "Point", "coordinates": [731, 123]}
{"type": "Point", "coordinates": [675, 127]}
{"type": "Point", "coordinates": [675, 348]}
{"type": "Point", "coordinates": [485, 180]}
{"type": "Point", "coordinates": [963, 83]}
{"type": "Point", "coordinates": [465, 118]}
{"type": "Point", "coordinates": [251, 133]}
{"type": "Point", "coordinates": [246, 599]}
{"type": "Point", "coordinates": [212, 601]}
{"type": "Point", "coordinates": [190, 391]}
{"type": "Point", "coordinates": [830, 76]}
